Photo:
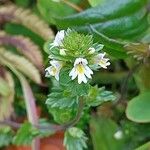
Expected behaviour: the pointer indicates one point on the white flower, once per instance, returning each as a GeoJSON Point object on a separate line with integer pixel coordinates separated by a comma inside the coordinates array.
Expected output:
{"type": "Point", "coordinates": [54, 69]}
{"type": "Point", "coordinates": [91, 50]}
{"type": "Point", "coordinates": [118, 135]}
{"type": "Point", "coordinates": [58, 38]}
{"type": "Point", "coordinates": [100, 60]}
{"type": "Point", "coordinates": [81, 70]}
{"type": "Point", "coordinates": [62, 52]}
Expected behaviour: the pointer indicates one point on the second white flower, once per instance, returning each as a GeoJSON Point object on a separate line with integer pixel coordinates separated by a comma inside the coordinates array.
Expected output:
{"type": "Point", "coordinates": [81, 70]}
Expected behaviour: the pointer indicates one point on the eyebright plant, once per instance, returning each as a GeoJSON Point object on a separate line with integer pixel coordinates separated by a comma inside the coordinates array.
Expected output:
{"type": "Point", "coordinates": [77, 53]}
{"type": "Point", "coordinates": [74, 58]}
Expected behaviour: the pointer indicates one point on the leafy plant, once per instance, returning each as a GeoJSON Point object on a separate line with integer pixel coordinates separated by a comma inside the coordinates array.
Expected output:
{"type": "Point", "coordinates": [99, 64]}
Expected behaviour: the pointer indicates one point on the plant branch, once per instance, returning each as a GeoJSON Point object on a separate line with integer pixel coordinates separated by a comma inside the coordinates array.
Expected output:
{"type": "Point", "coordinates": [53, 127]}
{"type": "Point", "coordinates": [10, 123]}
{"type": "Point", "coordinates": [125, 82]}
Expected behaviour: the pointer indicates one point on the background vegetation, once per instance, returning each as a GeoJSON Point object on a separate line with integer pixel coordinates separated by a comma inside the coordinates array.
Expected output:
{"type": "Point", "coordinates": [121, 25]}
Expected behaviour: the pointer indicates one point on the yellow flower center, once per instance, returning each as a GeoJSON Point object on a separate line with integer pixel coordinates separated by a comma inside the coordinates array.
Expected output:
{"type": "Point", "coordinates": [102, 62]}
{"type": "Point", "coordinates": [80, 68]}
{"type": "Point", "coordinates": [54, 70]}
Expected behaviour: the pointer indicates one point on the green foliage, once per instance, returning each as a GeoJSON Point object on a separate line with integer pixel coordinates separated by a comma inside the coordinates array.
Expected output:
{"type": "Point", "coordinates": [77, 44]}
{"type": "Point", "coordinates": [6, 136]}
{"type": "Point", "coordinates": [61, 98]}
{"type": "Point", "coordinates": [116, 26]}
{"type": "Point", "coordinates": [23, 3]}
{"type": "Point", "coordinates": [144, 147]}
{"type": "Point", "coordinates": [25, 134]}
{"type": "Point", "coordinates": [102, 133]}
{"type": "Point", "coordinates": [75, 139]}
{"type": "Point", "coordinates": [97, 96]}
{"type": "Point", "coordinates": [96, 2]}
{"type": "Point", "coordinates": [138, 108]}
{"type": "Point", "coordinates": [50, 9]}
{"type": "Point", "coordinates": [62, 115]}
{"type": "Point", "coordinates": [72, 86]}
{"type": "Point", "coordinates": [113, 18]}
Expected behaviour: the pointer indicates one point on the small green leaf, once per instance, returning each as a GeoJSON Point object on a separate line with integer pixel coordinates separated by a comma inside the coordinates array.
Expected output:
{"type": "Point", "coordinates": [75, 139]}
{"type": "Point", "coordinates": [6, 136]}
{"type": "Point", "coordinates": [138, 108]}
{"type": "Point", "coordinates": [61, 98]}
{"type": "Point", "coordinates": [97, 96]}
{"type": "Point", "coordinates": [25, 134]}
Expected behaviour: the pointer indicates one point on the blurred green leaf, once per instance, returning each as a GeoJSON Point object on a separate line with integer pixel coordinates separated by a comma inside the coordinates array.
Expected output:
{"type": "Point", "coordinates": [25, 134]}
{"type": "Point", "coordinates": [6, 136]}
{"type": "Point", "coordinates": [138, 108]}
{"type": "Point", "coordinates": [103, 134]}
{"type": "Point", "coordinates": [24, 3]}
{"type": "Point", "coordinates": [96, 2]}
{"type": "Point", "coordinates": [75, 139]}
{"type": "Point", "coordinates": [144, 147]}
{"type": "Point", "coordinates": [117, 19]}
{"type": "Point", "coordinates": [50, 9]}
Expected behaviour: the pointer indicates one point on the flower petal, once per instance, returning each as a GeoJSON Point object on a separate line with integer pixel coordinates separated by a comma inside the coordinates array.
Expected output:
{"type": "Point", "coordinates": [57, 76]}
{"type": "Point", "coordinates": [81, 78]}
{"type": "Point", "coordinates": [73, 74]}
{"type": "Point", "coordinates": [88, 72]}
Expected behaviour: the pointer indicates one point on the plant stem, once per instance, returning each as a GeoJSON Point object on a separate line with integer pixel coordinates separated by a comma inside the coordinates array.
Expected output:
{"type": "Point", "coordinates": [125, 82]}
{"type": "Point", "coordinates": [74, 6]}
{"type": "Point", "coordinates": [10, 123]}
{"type": "Point", "coordinates": [53, 127]}
{"type": "Point", "coordinates": [31, 110]}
